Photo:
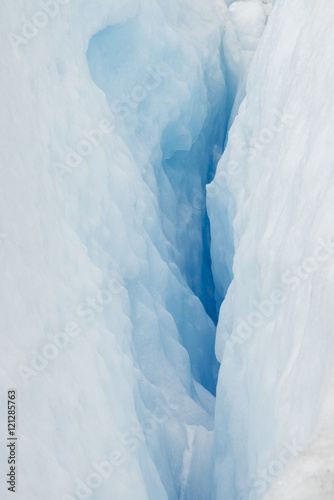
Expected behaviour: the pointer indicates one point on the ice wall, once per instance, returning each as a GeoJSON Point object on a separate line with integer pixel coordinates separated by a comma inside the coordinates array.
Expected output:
{"type": "Point", "coordinates": [169, 101]}
{"type": "Point", "coordinates": [272, 200]}
{"type": "Point", "coordinates": [116, 115]}
{"type": "Point", "coordinates": [104, 333]}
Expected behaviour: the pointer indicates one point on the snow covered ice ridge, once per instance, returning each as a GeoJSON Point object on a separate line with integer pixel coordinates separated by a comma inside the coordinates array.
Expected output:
{"type": "Point", "coordinates": [118, 262]}
{"type": "Point", "coordinates": [275, 384]}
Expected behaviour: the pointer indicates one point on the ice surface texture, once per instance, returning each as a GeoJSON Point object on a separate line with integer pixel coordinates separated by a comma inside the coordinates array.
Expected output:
{"type": "Point", "coordinates": [106, 274]}
{"type": "Point", "coordinates": [274, 186]}
{"type": "Point", "coordinates": [116, 115]}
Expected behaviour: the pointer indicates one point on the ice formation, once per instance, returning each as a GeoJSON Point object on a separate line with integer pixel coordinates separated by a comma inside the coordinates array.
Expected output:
{"type": "Point", "coordinates": [273, 190]}
{"type": "Point", "coordinates": [117, 259]}
{"type": "Point", "coordinates": [106, 273]}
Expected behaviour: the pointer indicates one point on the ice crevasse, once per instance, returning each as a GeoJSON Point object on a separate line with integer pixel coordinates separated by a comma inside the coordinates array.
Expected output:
{"type": "Point", "coordinates": [116, 115]}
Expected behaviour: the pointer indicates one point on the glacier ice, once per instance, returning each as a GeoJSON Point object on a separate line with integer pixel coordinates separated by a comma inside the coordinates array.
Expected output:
{"type": "Point", "coordinates": [271, 198]}
{"type": "Point", "coordinates": [158, 178]}
{"type": "Point", "coordinates": [108, 314]}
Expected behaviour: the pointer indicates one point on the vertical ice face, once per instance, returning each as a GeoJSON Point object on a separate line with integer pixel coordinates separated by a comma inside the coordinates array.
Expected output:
{"type": "Point", "coordinates": [273, 197]}
{"type": "Point", "coordinates": [103, 243]}
{"type": "Point", "coordinates": [242, 31]}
